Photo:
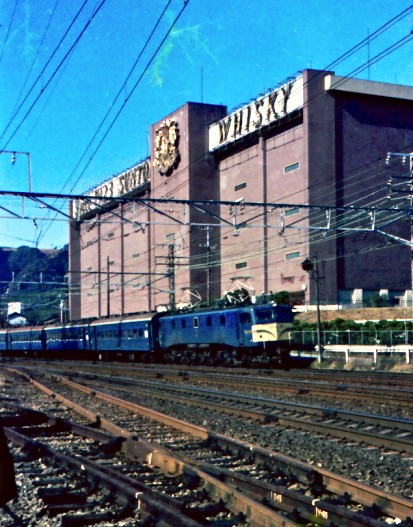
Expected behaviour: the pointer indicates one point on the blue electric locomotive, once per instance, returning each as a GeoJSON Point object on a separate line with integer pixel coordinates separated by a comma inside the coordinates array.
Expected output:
{"type": "Point", "coordinates": [239, 333]}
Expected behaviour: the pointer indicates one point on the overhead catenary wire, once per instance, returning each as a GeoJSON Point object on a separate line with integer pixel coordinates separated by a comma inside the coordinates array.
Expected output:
{"type": "Point", "coordinates": [47, 83]}
{"type": "Point", "coordinates": [373, 60]}
{"type": "Point", "coordinates": [6, 39]}
{"type": "Point", "coordinates": [127, 98]}
{"type": "Point", "coordinates": [343, 57]}
{"type": "Point", "coordinates": [39, 47]}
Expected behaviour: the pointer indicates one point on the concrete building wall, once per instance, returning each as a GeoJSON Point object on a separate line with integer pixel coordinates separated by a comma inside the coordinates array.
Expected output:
{"type": "Point", "coordinates": [323, 143]}
{"type": "Point", "coordinates": [287, 176]}
{"type": "Point", "coordinates": [320, 147]}
{"type": "Point", "coordinates": [370, 127]}
{"type": "Point", "coordinates": [270, 170]}
{"type": "Point", "coordinates": [179, 248]}
{"type": "Point", "coordinates": [136, 258]}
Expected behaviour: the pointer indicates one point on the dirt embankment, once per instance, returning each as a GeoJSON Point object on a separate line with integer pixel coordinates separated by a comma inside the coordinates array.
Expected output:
{"type": "Point", "coordinates": [373, 313]}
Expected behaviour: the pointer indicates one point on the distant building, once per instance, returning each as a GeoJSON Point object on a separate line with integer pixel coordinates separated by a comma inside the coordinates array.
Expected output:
{"type": "Point", "coordinates": [14, 307]}
{"type": "Point", "coordinates": [318, 139]}
{"type": "Point", "coordinates": [16, 320]}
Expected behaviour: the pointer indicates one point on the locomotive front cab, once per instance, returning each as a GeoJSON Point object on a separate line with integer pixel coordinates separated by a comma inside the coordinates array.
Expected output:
{"type": "Point", "coordinates": [272, 323]}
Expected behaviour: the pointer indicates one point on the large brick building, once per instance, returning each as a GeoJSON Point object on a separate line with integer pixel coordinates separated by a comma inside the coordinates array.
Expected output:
{"type": "Point", "coordinates": [317, 140]}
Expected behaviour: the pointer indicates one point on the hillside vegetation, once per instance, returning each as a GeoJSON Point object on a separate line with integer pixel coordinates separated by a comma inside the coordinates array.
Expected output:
{"type": "Point", "coordinates": [36, 278]}
{"type": "Point", "coordinates": [370, 313]}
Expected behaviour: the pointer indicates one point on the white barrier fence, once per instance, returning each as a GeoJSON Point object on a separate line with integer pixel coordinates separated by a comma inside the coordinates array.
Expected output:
{"type": "Point", "coordinates": [374, 351]}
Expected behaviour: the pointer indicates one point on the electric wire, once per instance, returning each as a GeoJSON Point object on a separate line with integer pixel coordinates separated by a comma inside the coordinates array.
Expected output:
{"type": "Point", "coordinates": [343, 57]}
{"type": "Point", "coordinates": [30, 69]}
{"type": "Point", "coordinates": [17, 110]}
{"type": "Point", "coordinates": [47, 83]}
{"type": "Point", "coordinates": [6, 39]}
{"type": "Point", "coordinates": [111, 106]}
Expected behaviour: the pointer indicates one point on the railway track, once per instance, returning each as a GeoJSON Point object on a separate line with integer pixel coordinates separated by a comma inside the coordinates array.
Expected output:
{"type": "Point", "coordinates": [361, 386]}
{"type": "Point", "coordinates": [386, 433]}
{"type": "Point", "coordinates": [297, 491]}
{"type": "Point", "coordinates": [135, 479]}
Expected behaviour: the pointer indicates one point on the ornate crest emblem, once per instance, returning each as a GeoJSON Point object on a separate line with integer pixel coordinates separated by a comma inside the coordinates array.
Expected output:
{"type": "Point", "coordinates": [166, 152]}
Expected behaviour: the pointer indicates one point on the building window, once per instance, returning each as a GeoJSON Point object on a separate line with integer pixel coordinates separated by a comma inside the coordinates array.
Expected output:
{"type": "Point", "coordinates": [170, 237]}
{"type": "Point", "coordinates": [222, 320]}
{"type": "Point", "coordinates": [111, 235]}
{"type": "Point", "coordinates": [111, 262]}
{"type": "Point", "coordinates": [195, 322]}
{"type": "Point", "coordinates": [291, 212]}
{"type": "Point", "coordinates": [292, 256]}
{"type": "Point", "coordinates": [290, 168]}
{"type": "Point", "coordinates": [89, 269]}
{"type": "Point", "coordinates": [240, 186]}
{"type": "Point", "coordinates": [135, 255]}
{"type": "Point", "coordinates": [241, 265]}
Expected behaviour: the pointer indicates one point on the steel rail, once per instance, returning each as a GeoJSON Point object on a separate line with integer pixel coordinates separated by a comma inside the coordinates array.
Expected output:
{"type": "Point", "coordinates": [314, 383]}
{"type": "Point", "coordinates": [365, 494]}
{"type": "Point", "coordinates": [329, 429]}
{"type": "Point", "coordinates": [322, 412]}
{"type": "Point", "coordinates": [155, 455]}
{"type": "Point", "coordinates": [136, 494]}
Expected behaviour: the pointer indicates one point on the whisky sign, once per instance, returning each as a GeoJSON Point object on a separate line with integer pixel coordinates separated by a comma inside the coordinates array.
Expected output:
{"type": "Point", "coordinates": [266, 110]}
{"type": "Point", "coordinates": [133, 181]}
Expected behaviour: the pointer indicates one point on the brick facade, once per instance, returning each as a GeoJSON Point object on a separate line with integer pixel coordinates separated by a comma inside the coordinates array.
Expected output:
{"type": "Point", "coordinates": [327, 148]}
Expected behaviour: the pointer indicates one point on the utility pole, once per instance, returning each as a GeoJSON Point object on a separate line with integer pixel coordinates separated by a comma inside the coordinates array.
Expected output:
{"type": "Point", "coordinates": [108, 288]}
{"type": "Point", "coordinates": [171, 275]}
{"type": "Point", "coordinates": [402, 185]}
{"type": "Point", "coordinates": [312, 265]}
{"type": "Point", "coordinates": [207, 245]}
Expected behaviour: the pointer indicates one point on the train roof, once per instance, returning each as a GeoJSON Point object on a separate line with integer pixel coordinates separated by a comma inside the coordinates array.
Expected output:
{"type": "Point", "coordinates": [222, 309]}
{"type": "Point", "coordinates": [140, 317]}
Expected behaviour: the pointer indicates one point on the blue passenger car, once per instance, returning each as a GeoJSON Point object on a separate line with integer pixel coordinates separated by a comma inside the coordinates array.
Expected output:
{"type": "Point", "coordinates": [3, 339]}
{"type": "Point", "coordinates": [24, 339]}
{"type": "Point", "coordinates": [128, 334]}
{"type": "Point", "coordinates": [64, 337]}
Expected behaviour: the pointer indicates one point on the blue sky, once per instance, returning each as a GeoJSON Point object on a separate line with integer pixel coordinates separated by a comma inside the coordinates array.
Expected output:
{"type": "Point", "coordinates": [242, 48]}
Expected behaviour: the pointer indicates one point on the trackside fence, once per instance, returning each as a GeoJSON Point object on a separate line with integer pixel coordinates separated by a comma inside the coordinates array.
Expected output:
{"type": "Point", "coordinates": [350, 344]}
